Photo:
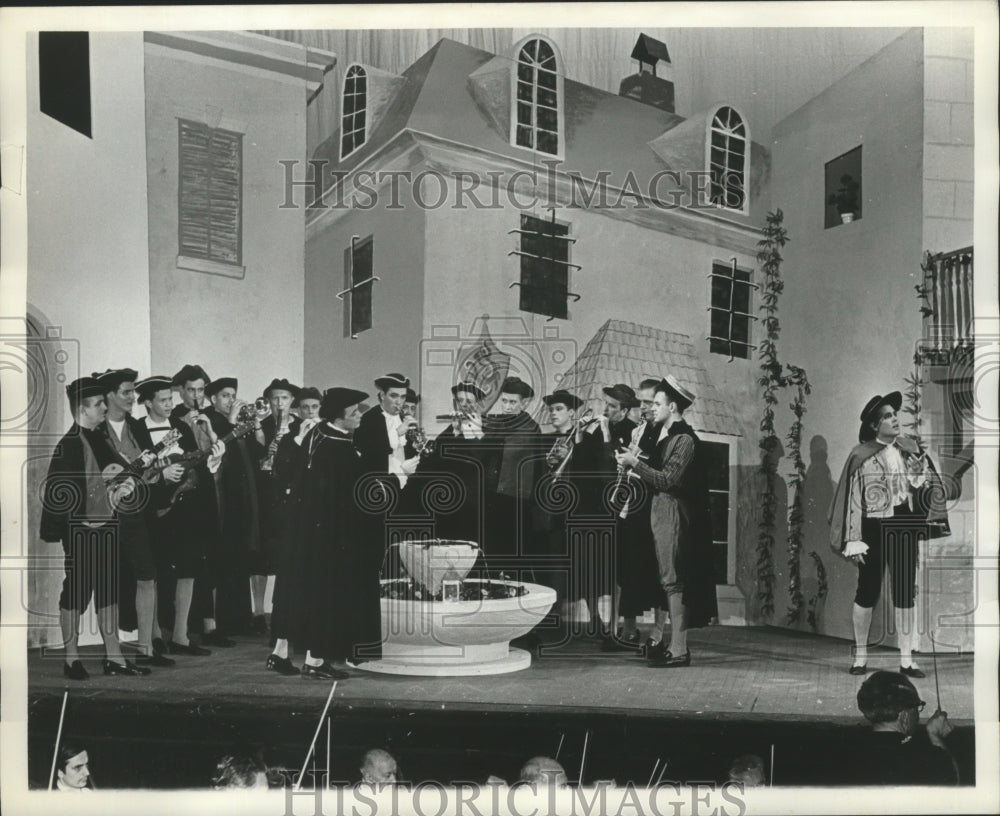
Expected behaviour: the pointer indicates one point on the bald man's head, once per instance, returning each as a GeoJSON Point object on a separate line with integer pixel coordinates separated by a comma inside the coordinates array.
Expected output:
{"type": "Point", "coordinates": [542, 770]}
{"type": "Point", "coordinates": [378, 768]}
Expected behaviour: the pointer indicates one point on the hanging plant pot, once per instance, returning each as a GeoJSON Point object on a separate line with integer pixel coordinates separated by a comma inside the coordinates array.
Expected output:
{"type": "Point", "coordinates": [846, 218]}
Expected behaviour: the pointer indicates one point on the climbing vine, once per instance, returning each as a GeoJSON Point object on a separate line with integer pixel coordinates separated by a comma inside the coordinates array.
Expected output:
{"type": "Point", "coordinates": [913, 394]}
{"type": "Point", "coordinates": [775, 376]}
{"type": "Point", "coordinates": [796, 515]}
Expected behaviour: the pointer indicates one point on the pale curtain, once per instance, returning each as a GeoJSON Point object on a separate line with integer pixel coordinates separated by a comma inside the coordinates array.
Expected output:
{"type": "Point", "coordinates": [765, 72]}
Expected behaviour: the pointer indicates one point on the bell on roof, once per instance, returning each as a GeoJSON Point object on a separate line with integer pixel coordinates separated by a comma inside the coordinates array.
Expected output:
{"type": "Point", "coordinates": [644, 85]}
{"type": "Point", "coordinates": [648, 52]}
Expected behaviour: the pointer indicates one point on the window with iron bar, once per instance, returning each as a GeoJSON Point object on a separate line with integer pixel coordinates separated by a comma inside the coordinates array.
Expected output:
{"type": "Point", "coordinates": [545, 274]}
{"type": "Point", "coordinates": [731, 319]}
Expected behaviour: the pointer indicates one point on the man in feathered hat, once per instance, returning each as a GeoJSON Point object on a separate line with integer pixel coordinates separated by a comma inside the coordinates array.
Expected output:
{"type": "Point", "coordinates": [888, 498]}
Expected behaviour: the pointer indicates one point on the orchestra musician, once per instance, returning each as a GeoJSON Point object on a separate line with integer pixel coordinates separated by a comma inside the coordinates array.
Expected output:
{"type": "Point", "coordinates": [681, 523]}
{"type": "Point", "coordinates": [576, 463]}
{"type": "Point", "coordinates": [280, 422]}
{"type": "Point", "coordinates": [138, 569]}
{"type": "Point", "coordinates": [182, 535]}
{"type": "Point", "coordinates": [381, 436]}
{"type": "Point", "coordinates": [514, 460]}
{"type": "Point", "coordinates": [457, 456]}
{"type": "Point", "coordinates": [85, 526]}
{"type": "Point", "coordinates": [227, 609]}
{"type": "Point", "coordinates": [636, 568]}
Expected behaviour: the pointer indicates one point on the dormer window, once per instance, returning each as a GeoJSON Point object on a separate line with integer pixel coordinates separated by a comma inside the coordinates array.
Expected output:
{"type": "Point", "coordinates": [536, 119]}
{"type": "Point", "coordinates": [728, 159]}
{"type": "Point", "coordinates": [353, 121]}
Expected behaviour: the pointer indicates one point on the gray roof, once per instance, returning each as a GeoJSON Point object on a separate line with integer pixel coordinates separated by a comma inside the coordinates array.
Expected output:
{"type": "Point", "coordinates": [627, 352]}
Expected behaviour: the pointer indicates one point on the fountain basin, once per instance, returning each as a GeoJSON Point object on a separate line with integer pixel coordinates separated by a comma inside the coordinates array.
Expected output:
{"type": "Point", "coordinates": [455, 638]}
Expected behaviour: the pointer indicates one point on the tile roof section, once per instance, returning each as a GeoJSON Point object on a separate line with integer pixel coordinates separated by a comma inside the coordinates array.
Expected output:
{"type": "Point", "coordinates": [622, 351]}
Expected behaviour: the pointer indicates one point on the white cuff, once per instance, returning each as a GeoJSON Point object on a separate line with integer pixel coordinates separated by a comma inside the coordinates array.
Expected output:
{"type": "Point", "coordinates": [855, 548]}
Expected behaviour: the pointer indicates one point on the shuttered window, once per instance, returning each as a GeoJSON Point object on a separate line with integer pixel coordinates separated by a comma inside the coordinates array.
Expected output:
{"type": "Point", "coordinates": [210, 193]}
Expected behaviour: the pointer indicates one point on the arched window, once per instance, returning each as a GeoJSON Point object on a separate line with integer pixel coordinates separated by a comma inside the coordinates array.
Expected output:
{"type": "Point", "coordinates": [353, 119]}
{"type": "Point", "coordinates": [537, 90]}
{"type": "Point", "coordinates": [728, 159]}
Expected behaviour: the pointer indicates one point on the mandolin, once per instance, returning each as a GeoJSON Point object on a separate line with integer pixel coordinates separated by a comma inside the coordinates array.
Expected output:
{"type": "Point", "coordinates": [191, 459]}
{"type": "Point", "coordinates": [114, 474]}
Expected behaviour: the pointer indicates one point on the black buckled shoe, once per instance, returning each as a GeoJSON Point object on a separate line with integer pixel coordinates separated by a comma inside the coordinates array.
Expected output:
{"type": "Point", "coordinates": [325, 671]}
{"type": "Point", "coordinates": [282, 665]}
{"type": "Point", "coordinates": [75, 671]}
{"type": "Point", "coordinates": [129, 669]}
{"type": "Point", "coordinates": [661, 658]}
{"type": "Point", "coordinates": [858, 670]}
{"type": "Point", "coordinates": [216, 638]}
{"type": "Point", "coordinates": [159, 660]}
{"type": "Point", "coordinates": [911, 671]}
{"type": "Point", "coordinates": [188, 649]}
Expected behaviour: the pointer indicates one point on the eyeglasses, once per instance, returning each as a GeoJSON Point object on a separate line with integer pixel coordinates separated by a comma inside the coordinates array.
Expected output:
{"type": "Point", "coordinates": [919, 705]}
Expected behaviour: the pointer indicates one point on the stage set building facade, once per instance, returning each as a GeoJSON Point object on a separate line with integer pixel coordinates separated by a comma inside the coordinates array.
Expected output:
{"type": "Point", "coordinates": [593, 237]}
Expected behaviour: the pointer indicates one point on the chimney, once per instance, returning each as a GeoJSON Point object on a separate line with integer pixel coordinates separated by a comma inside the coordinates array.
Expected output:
{"type": "Point", "coordinates": [644, 85]}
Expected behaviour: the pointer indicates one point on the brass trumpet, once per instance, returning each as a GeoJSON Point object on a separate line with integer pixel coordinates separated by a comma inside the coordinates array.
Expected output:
{"type": "Point", "coordinates": [416, 436]}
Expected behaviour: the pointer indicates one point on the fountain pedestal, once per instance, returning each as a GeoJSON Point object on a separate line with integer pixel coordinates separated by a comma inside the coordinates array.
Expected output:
{"type": "Point", "coordinates": [455, 638]}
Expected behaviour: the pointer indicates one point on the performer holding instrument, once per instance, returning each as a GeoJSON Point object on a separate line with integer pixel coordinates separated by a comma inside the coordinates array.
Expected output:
{"type": "Point", "coordinates": [583, 569]}
{"type": "Point", "coordinates": [637, 571]}
{"type": "Point", "coordinates": [279, 422]}
{"type": "Point", "coordinates": [181, 533]}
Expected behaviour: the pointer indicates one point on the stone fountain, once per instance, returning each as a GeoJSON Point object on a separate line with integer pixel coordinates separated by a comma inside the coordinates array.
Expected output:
{"type": "Point", "coordinates": [444, 625]}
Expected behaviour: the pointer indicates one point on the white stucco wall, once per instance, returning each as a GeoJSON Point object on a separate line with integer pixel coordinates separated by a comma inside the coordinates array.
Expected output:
{"type": "Point", "coordinates": [250, 328]}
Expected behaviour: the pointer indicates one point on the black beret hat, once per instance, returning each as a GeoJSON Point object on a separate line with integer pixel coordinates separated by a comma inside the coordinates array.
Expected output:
{"type": "Point", "coordinates": [216, 386]}
{"type": "Point", "coordinates": [282, 385]}
{"type": "Point", "coordinates": [871, 412]}
{"type": "Point", "coordinates": [309, 393]}
{"type": "Point", "coordinates": [515, 385]}
{"type": "Point", "coordinates": [84, 387]}
{"type": "Point", "coordinates": [112, 379]}
{"type": "Point", "coordinates": [145, 389]}
{"type": "Point", "coordinates": [336, 399]}
{"type": "Point", "coordinates": [623, 393]}
{"type": "Point", "coordinates": [564, 397]}
{"type": "Point", "coordinates": [190, 373]}
{"type": "Point", "coordinates": [387, 381]}
{"type": "Point", "coordinates": [412, 396]}
{"type": "Point", "coordinates": [469, 388]}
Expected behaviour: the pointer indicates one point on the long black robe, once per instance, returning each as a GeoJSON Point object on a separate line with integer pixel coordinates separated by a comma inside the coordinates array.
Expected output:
{"type": "Point", "coordinates": [579, 568]}
{"type": "Point", "coordinates": [239, 512]}
{"type": "Point", "coordinates": [448, 487]}
{"type": "Point", "coordinates": [513, 462]}
{"type": "Point", "coordinates": [328, 595]}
